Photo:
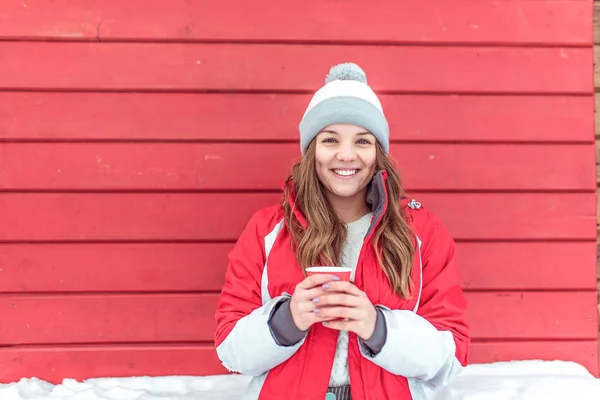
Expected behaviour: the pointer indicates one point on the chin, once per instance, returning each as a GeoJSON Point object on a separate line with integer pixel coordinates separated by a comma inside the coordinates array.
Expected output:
{"type": "Point", "coordinates": [345, 191]}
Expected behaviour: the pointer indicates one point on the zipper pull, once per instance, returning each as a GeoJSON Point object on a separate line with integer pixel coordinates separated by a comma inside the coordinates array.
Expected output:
{"type": "Point", "coordinates": [415, 205]}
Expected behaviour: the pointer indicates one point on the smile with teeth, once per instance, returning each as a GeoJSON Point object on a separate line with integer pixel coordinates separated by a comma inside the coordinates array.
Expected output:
{"type": "Point", "coordinates": [345, 172]}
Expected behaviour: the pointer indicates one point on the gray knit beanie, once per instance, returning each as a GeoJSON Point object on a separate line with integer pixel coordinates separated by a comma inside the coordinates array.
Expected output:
{"type": "Point", "coordinates": [345, 99]}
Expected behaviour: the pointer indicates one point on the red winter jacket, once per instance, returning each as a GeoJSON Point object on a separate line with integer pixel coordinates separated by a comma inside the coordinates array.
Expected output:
{"type": "Point", "coordinates": [427, 336]}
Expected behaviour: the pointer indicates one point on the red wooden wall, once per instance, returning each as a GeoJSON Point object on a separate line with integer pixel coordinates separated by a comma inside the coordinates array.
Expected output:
{"type": "Point", "coordinates": [136, 139]}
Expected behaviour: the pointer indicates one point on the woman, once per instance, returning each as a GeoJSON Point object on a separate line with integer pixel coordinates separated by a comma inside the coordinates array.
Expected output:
{"type": "Point", "coordinates": [398, 328]}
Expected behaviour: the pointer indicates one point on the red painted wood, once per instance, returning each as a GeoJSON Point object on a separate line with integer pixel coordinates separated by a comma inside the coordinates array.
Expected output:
{"type": "Point", "coordinates": [582, 352]}
{"type": "Point", "coordinates": [440, 21]}
{"type": "Point", "coordinates": [201, 266]}
{"type": "Point", "coordinates": [187, 116]}
{"type": "Point", "coordinates": [151, 318]}
{"type": "Point", "coordinates": [147, 166]}
{"type": "Point", "coordinates": [113, 267]}
{"type": "Point", "coordinates": [508, 265]}
{"type": "Point", "coordinates": [513, 315]}
{"type": "Point", "coordinates": [481, 60]}
{"type": "Point", "coordinates": [107, 318]}
{"type": "Point", "coordinates": [514, 216]}
{"type": "Point", "coordinates": [219, 216]}
{"type": "Point", "coordinates": [81, 362]}
{"type": "Point", "coordinates": [81, 66]}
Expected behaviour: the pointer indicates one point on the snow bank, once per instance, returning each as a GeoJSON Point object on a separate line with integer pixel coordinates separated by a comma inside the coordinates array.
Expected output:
{"type": "Point", "coordinates": [526, 380]}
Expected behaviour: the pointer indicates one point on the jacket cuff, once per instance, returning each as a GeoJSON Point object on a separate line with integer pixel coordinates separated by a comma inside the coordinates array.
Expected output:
{"type": "Point", "coordinates": [375, 343]}
{"type": "Point", "coordinates": [282, 326]}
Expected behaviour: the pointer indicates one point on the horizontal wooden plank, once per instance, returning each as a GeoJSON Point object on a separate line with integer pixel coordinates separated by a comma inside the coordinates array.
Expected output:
{"type": "Point", "coordinates": [159, 66]}
{"type": "Point", "coordinates": [508, 265]}
{"type": "Point", "coordinates": [523, 216]}
{"type": "Point", "coordinates": [439, 21]}
{"type": "Point", "coordinates": [149, 166]}
{"type": "Point", "coordinates": [53, 364]}
{"type": "Point", "coordinates": [113, 267]}
{"type": "Point", "coordinates": [190, 317]}
{"type": "Point", "coordinates": [513, 315]}
{"type": "Point", "coordinates": [201, 266]}
{"type": "Point", "coordinates": [218, 216]}
{"type": "Point", "coordinates": [208, 116]}
{"type": "Point", "coordinates": [108, 318]}
{"type": "Point", "coordinates": [581, 352]}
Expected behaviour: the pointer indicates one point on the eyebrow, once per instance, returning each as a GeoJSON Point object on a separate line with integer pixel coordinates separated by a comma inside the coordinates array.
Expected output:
{"type": "Point", "coordinates": [359, 133]}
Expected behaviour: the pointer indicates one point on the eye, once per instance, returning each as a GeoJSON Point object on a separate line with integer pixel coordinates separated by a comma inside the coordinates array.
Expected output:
{"type": "Point", "coordinates": [329, 140]}
{"type": "Point", "coordinates": [363, 141]}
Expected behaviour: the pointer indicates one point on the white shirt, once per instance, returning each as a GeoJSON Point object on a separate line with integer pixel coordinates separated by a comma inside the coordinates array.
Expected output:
{"type": "Point", "coordinates": [357, 231]}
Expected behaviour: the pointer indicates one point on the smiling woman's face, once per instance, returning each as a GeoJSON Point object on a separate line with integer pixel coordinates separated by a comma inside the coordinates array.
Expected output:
{"type": "Point", "coordinates": [345, 157]}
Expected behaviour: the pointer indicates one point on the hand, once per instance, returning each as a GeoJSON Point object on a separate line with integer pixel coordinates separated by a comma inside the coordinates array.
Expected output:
{"type": "Point", "coordinates": [346, 301]}
{"type": "Point", "coordinates": [302, 305]}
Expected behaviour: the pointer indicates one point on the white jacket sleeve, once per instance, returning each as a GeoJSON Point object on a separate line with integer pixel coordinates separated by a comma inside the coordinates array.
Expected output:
{"type": "Point", "coordinates": [243, 336]}
{"type": "Point", "coordinates": [250, 347]}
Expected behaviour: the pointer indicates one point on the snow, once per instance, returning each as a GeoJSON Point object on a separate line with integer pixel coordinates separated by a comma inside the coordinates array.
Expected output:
{"type": "Point", "coordinates": [527, 380]}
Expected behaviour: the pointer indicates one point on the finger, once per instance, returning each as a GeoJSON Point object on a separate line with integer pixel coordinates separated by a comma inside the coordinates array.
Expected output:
{"type": "Point", "coordinates": [339, 312]}
{"type": "Point", "coordinates": [340, 325]}
{"type": "Point", "coordinates": [338, 299]}
{"type": "Point", "coordinates": [307, 306]}
{"type": "Point", "coordinates": [322, 302]}
{"type": "Point", "coordinates": [315, 280]}
{"type": "Point", "coordinates": [310, 294]}
{"type": "Point", "coordinates": [313, 317]}
{"type": "Point", "coordinates": [317, 317]}
{"type": "Point", "coordinates": [309, 300]}
{"type": "Point", "coordinates": [344, 287]}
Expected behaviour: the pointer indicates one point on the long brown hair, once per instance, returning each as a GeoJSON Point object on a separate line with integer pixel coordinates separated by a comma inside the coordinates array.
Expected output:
{"type": "Point", "coordinates": [321, 242]}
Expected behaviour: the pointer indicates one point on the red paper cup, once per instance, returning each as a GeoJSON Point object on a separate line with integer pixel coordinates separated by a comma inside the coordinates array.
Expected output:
{"type": "Point", "coordinates": [341, 272]}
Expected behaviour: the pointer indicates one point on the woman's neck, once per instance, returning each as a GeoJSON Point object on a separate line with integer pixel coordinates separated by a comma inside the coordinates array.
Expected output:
{"type": "Point", "coordinates": [349, 209]}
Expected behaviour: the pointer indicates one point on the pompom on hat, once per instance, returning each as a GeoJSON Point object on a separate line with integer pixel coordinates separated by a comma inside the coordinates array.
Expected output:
{"type": "Point", "coordinates": [346, 98]}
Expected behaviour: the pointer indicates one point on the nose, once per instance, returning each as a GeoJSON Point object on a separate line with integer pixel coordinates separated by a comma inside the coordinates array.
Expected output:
{"type": "Point", "coordinates": [346, 153]}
